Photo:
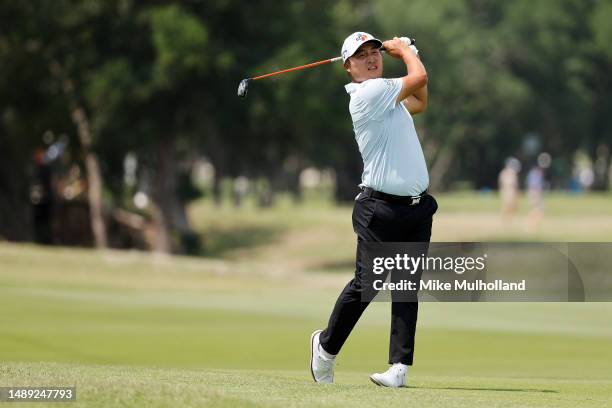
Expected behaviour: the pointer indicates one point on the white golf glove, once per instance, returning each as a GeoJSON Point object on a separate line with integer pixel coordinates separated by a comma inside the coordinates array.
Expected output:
{"type": "Point", "coordinates": [408, 42]}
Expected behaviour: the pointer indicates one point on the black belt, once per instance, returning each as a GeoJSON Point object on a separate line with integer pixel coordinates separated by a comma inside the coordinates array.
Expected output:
{"type": "Point", "coordinates": [410, 200]}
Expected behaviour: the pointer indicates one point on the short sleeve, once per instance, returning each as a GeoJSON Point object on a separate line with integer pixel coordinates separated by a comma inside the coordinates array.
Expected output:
{"type": "Point", "coordinates": [379, 95]}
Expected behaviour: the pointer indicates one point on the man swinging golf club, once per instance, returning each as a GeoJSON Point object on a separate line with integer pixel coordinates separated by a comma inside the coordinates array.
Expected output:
{"type": "Point", "coordinates": [393, 205]}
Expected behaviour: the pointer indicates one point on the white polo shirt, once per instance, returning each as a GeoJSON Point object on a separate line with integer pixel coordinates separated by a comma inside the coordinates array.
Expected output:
{"type": "Point", "coordinates": [393, 160]}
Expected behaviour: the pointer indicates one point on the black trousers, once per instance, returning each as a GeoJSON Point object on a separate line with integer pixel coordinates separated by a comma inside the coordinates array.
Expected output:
{"type": "Point", "coordinates": [381, 221]}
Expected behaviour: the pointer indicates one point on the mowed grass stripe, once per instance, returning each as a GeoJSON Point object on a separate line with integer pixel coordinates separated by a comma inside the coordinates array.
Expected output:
{"type": "Point", "coordinates": [103, 386]}
{"type": "Point", "coordinates": [55, 329]}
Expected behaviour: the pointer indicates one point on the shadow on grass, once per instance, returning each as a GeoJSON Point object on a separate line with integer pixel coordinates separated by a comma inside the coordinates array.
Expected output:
{"type": "Point", "coordinates": [219, 242]}
{"type": "Point", "coordinates": [488, 389]}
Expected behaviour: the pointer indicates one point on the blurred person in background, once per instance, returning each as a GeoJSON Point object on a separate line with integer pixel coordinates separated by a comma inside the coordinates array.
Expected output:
{"type": "Point", "coordinates": [535, 191]}
{"type": "Point", "coordinates": [535, 187]}
{"type": "Point", "coordinates": [509, 187]}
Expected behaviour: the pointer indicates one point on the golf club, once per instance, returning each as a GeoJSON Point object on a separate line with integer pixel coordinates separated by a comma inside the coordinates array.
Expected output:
{"type": "Point", "coordinates": [243, 87]}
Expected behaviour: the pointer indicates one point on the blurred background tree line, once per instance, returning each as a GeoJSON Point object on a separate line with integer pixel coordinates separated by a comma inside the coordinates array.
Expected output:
{"type": "Point", "coordinates": [111, 111]}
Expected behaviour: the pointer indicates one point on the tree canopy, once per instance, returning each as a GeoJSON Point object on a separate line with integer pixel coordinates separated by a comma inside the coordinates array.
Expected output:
{"type": "Point", "coordinates": [158, 80]}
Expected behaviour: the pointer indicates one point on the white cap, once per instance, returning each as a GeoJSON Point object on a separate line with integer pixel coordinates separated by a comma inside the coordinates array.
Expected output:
{"type": "Point", "coordinates": [354, 41]}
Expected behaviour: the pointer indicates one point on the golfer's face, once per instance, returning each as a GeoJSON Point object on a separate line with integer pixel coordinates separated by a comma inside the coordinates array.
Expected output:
{"type": "Point", "coordinates": [366, 63]}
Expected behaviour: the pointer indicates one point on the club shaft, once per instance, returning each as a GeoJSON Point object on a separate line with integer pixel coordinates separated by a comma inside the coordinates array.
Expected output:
{"type": "Point", "coordinates": [311, 65]}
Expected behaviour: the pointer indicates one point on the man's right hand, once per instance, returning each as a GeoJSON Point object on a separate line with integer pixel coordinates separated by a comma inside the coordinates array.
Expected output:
{"type": "Point", "coordinates": [396, 47]}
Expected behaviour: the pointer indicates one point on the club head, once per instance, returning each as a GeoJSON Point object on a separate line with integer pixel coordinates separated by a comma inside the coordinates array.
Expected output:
{"type": "Point", "coordinates": [243, 88]}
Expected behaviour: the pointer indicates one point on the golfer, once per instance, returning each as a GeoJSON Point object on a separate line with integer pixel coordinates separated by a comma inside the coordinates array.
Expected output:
{"type": "Point", "coordinates": [393, 205]}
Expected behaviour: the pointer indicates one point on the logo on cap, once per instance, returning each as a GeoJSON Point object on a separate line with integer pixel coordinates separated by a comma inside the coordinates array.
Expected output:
{"type": "Point", "coordinates": [361, 37]}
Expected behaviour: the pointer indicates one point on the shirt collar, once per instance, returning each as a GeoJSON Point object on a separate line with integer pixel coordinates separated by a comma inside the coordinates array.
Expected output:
{"type": "Point", "coordinates": [351, 87]}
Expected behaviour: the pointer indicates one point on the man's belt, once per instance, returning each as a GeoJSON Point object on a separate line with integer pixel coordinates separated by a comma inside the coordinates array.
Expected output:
{"type": "Point", "coordinates": [410, 200]}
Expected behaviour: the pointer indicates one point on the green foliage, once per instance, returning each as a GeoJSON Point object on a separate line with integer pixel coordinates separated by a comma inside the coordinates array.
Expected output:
{"type": "Point", "coordinates": [602, 30]}
{"type": "Point", "coordinates": [162, 76]}
{"type": "Point", "coordinates": [109, 89]}
{"type": "Point", "coordinates": [179, 40]}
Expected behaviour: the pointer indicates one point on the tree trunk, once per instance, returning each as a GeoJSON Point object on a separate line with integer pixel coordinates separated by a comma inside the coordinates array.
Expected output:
{"type": "Point", "coordinates": [348, 178]}
{"type": "Point", "coordinates": [601, 168]}
{"type": "Point", "coordinates": [439, 168]}
{"type": "Point", "coordinates": [216, 188]}
{"type": "Point", "coordinates": [169, 211]}
{"type": "Point", "coordinates": [291, 172]}
{"type": "Point", "coordinates": [161, 236]}
{"type": "Point", "coordinates": [15, 206]}
{"type": "Point", "coordinates": [94, 178]}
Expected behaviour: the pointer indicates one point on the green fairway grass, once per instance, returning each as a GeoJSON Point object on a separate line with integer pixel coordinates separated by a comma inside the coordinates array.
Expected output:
{"type": "Point", "coordinates": [131, 330]}
{"type": "Point", "coordinates": [104, 386]}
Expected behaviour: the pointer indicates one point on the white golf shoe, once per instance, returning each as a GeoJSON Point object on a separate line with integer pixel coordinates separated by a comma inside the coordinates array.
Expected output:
{"type": "Point", "coordinates": [321, 362]}
{"type": "Point", "coordinates": [395, 376]}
